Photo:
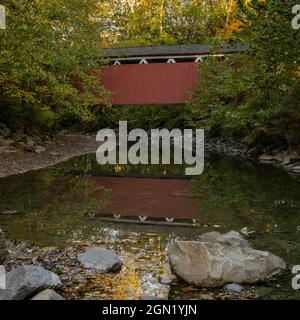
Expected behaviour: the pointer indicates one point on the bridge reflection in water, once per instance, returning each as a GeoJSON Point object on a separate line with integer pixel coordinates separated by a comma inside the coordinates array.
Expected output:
{"type": "Point", "coordinates": [148, 201]}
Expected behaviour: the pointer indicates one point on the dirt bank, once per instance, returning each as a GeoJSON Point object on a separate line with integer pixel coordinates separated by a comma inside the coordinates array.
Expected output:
{"type": "Point", "coordinates": [64, 147]}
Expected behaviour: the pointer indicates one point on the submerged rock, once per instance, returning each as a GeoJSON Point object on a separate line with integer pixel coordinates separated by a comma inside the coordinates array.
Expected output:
{"type": "Point", "coordinates": [3, 247]}
{"type": "Point", "coordinates": [25, 281]}
{"type": "Point", "coordinates": [214, 262]}
{"type": "Point", "coordinates": [100, 259]}
{"type": "Point", "coordinates": [48, 294]}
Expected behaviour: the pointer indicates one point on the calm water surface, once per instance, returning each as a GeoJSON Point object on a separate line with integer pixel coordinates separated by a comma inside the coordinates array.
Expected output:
{"type": "Point", "coordinates": [78, 199]}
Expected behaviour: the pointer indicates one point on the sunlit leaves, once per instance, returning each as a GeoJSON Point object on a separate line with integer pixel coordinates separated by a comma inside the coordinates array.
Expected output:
{"type": "Point", "coordinates": [46, 45]}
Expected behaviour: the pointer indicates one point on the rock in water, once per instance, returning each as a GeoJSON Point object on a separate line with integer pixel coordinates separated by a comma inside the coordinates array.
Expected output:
{"type": "Point", "coordinates": [3, 247]}
{"type": "Point", "coordinates": [25, 281]}
{"type": "Point", "coordinates": [231, 238]}
{"type": "Point", "coordinates": [48, 294]}
{"type": "Point", "coordinates": [213, 262]}
{"type": "Point", "coordinates": [100, 259]}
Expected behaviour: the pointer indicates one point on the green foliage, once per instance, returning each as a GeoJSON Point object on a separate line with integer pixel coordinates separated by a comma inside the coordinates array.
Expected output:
{"type": "Point", "coordinates": [255, 95]}
{"type": "Point", "coordinates": [46, 47]}
{"type": "Point", "coordinates": [157, 22]}
{"type": "Point", "coordinates": [149, 117]}
{"type": "Point", "coordinates": [48, 64]}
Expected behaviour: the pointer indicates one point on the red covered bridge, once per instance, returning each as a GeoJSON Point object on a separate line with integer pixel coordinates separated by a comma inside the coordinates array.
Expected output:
{"type": "Point", "coordinates": [155, 75]}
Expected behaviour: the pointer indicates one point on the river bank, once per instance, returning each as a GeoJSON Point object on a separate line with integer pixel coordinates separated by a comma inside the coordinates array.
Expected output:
{"type": "Point", "coordinates": [277, 156]}
{"type": "Point", "coordinates": [38, 153]}
{"type": "Point", "coordinates": [16, 160]}
{"type": "Point", "coordinates": [144, 271]}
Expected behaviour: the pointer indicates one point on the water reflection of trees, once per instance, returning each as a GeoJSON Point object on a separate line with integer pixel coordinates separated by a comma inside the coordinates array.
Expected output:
{"type": "Point", "coordinates": [247, 192]}
{"type": "Point", "coordinates": [47, 202]}
{"type": "Point", "coordinates": [88, 165]}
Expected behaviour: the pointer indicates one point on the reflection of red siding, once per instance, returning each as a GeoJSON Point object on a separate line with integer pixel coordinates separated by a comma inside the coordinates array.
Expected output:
{"type": "Point", "coordinates": [157, 198]}
{"type": "Point", "coordinates": [154, 83]}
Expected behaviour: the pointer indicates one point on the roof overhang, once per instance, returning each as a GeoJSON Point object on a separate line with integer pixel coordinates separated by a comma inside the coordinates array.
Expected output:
{"type": "Point", "coordinates": [174, 50]}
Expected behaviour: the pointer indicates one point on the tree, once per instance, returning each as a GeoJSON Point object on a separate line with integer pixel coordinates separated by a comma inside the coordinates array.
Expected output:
{"type": "Point", "coordinates": [46, 47]}
{"type": "Point", "coordinates": [255, 95]}
{"type": "Point", "coordinates": [154, 22]}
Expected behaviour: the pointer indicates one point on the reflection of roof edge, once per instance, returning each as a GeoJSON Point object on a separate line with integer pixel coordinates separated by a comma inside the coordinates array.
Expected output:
{"type": "Point", "coordinates": [150, 221]}
{"type": "Point", "coordinates": [169, 50]}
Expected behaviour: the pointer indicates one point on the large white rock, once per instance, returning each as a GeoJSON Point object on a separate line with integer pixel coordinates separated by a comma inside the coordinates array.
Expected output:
{"type": "Point", "coordinates": [100, 259]}
{"type": "Point", "coordinates": [25, 281]}
{"type": "Point", "coordinates": [217, 260]}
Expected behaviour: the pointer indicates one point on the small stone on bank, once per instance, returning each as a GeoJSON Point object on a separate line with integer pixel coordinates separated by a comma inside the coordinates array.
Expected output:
{"type": "Point", "coordinates": [167, 279]}
{"type": "Point", "coordinates": [234, 288]}
{"type": "Point", "coordinates": [100, 259]}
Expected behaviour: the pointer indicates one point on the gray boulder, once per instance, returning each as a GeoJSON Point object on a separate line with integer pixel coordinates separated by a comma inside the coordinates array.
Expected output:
{"type": "Point", "coordinates": [48, 294]}
{"type": "Point", "coordinates": [213, 262]}
{"type": "Point", "coordinates": [100, 259]}
{"type": "Point", "coordinates": [25, 281]}
{"type": "Point", "coordinates": [231, 238]}
{"type": "Point", "coordinates": [3, 247]}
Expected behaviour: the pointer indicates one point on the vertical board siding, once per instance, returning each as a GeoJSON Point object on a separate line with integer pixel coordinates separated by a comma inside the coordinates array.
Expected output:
{"type": "Point", "coordinates": [155, 83]}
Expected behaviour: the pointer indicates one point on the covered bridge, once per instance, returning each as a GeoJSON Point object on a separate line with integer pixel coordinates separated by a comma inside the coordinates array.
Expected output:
{"type": "Point", "coordinates": [155, 75]}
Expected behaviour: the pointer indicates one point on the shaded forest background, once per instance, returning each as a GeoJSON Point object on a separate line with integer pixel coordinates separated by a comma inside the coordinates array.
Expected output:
{"type": "Point", "coordinates": [252, 97]}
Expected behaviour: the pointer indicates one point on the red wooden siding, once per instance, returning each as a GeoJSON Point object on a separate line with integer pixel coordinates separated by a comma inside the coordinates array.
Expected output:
{"type": "Point", "coordinates": [154, 83]}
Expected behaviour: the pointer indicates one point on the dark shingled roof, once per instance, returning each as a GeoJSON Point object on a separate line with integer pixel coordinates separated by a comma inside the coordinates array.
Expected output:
{"type": "Point", "coordinates": [174, 50]}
